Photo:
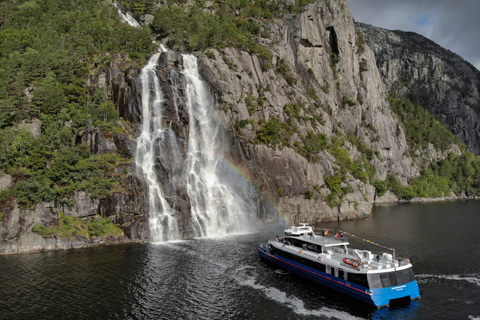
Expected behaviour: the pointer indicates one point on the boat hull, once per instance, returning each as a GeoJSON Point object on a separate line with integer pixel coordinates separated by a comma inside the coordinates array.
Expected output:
{"type": "Point", "coordinates": [376, 297]}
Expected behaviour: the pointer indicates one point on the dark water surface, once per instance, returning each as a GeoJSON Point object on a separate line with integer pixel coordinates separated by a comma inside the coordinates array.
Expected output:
{"type": "Point", "coordinates": [223, 278]}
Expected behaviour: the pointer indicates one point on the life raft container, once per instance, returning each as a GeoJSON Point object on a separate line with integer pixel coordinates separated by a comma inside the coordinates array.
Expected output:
{"type": "Point", "coordinates": [351, 262]}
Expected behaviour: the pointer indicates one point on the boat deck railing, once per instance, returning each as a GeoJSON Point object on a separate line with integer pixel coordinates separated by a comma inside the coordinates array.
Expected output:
{"type": "Point", "coordinates": [336, 252]}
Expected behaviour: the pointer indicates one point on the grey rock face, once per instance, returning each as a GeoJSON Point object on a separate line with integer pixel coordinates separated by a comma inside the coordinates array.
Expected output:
{"type": "Point", "coordinates": [5, 181]}
{"type": "Point", "coordinates": [431, 76]}
{"type": "Point", "coordinates": [306, 43]}
{"type": "Point", "coordinates": [33, 127]}
{"type": "Point", "coordinates": [120, 81]}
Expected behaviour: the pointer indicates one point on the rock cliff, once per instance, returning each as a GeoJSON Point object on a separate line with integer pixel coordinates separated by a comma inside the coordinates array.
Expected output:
{"type": "Point", "coordinates": [435, 78]}
{"type": "Point", "coordinates": [307, 43]}
{"type": "Point", "coordinates": [310, 130]}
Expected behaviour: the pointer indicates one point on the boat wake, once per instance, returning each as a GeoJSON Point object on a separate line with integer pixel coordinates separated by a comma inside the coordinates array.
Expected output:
{"type": "Point", "coordinates": [246, 276]}
{"type": "Point", "coordinates": [280, 271]}
{"type": "Point", "coordinates": [290, 301]}
{"type": "Point", "coordinates": [471, 278]}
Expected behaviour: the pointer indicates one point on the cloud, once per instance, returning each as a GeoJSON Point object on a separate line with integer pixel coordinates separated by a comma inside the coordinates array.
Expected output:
{"type": "Point", "coordinates": [455, 25]}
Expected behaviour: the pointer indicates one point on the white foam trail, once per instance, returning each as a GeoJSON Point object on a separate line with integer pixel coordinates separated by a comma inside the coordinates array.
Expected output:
{"type": "Point", "coordinates": [242, 276]}
{"type": "Point", "coordinates": [127, 17]}
{"type": "Point", "coordinates": [292, 302]}
{"type": "Point", "coordinates": [473, 317]}
{"type": "Point", "coordinates": [469, 278]}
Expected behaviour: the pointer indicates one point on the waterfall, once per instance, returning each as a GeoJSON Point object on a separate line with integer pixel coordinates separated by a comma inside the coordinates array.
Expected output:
{"type": "Point", "coordinates": [150, 145]}
{"type": "Point", "coordinates": [127, 17]}
{"type": "Point", "coordinates": [221, 200]}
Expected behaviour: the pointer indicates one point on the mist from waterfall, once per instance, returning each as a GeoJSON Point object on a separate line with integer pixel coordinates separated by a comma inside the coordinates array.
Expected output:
{"type": "Point", "coordinates": [151, 146]}
{"type": "Point", "coordinates": [221, 199]}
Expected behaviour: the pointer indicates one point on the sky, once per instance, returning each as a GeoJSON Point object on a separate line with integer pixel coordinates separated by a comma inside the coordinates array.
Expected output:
{"type": "Point", "coordinates": [453, 24]}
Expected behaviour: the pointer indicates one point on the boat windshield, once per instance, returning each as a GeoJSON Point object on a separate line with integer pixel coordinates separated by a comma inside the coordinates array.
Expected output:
{"type": "Point", "coordinates": [390, 279]}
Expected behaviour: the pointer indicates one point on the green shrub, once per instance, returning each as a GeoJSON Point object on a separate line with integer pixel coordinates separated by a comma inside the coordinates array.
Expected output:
{"type": "Point", "coordinates": [363, 65]}
{"type": "Point", "coordinates": [93, 227]}
{"type": "Point", "coordinates": [313, 144]}
{"type": "Point", "coordinates": [251, 103]}
{"type": "Point", "coordinates": [420, 126]}
{"type": "Point", "coordinates": [337, 193]}
{"type": "Point", "coordinates": [243, 123]}
{"type": "Point", "coordinates": [44, 231]}
{"type": "Point", "coordinates": [326, 88]}
{"type": "Point", "coordinates": [101, 227]}
{"type": "Point", "coordinates": [381, 187]}
{"type": "Point", "coordinates": [308, 195]}
{"type": "Point", "coordinates": [348, 100]}
{"type": "Point", "coordinates": [312, 94]}
{"type": "Point", "coordinates": [292, 110]}
{"type": "Point", "coordinates": [360, 42]}
{"type": "Point", "coordinates": [283, 69]}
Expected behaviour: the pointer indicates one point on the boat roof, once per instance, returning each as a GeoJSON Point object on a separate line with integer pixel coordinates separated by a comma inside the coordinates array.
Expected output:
{"type": "Point", "coordinates": [320, 240]}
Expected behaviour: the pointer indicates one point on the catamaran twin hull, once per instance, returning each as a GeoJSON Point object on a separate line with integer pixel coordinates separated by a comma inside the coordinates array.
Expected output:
{"type": "Point", "coordinates": [376, 287]}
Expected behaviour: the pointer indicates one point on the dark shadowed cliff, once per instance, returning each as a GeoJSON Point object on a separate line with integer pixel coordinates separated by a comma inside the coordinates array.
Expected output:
{"type": "Point", "coordinates": [427, 74]}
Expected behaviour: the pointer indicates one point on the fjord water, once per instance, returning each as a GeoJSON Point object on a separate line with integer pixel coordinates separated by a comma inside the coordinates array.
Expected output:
{"type": "Point", "coordinates": [223, 278]}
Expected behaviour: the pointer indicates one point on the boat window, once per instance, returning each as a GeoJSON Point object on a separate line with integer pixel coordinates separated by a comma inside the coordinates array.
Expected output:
{"type": "Point", "coordinates": [411, 276]}
{"type": "Point", "coordinates": [393, 279]}
{"type": "Point", "coordinates": [320, 267]}
{"type": "Point", "coordinates": [399, 276]}
{"type": "Point", "coordinates": [384, 280]}
{"type": "Point", "coordinates": [340, 273]}
{"type": "Point", "coordinates": [374, 281]}
{"type": "Point", "coordinates": [309, 263]}
{"type": "Point", "coordinates": [360, 279]}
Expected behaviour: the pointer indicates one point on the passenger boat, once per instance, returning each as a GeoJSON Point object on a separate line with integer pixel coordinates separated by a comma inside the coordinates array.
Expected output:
{"type": "Point", "coordinates": [377, 279]}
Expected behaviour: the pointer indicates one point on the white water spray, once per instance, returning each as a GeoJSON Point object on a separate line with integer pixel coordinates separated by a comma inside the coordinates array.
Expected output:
{"type": "Point", "coordinates": [163, 225]}
{"type": "Point", "coordinates": [221, 200]}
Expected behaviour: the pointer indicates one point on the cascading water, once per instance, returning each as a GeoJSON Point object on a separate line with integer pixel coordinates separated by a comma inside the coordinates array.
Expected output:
{"type": "Point", "coordinates": [221, 200]}
{"type": "Point", "coordinates": [127, 17]}
{"type": "Point", "coordinates": [150, 144]}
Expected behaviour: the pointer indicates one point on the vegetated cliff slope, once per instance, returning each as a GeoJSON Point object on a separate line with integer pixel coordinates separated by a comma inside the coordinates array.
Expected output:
{"type": "Point", "coordinates": [437, 79]}
{"type": "Point", "coordinates": [303, 112]}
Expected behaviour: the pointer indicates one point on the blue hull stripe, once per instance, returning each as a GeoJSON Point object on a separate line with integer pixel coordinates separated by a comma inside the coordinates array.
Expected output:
{"type": "Point", "coordinates": [377, 297]}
